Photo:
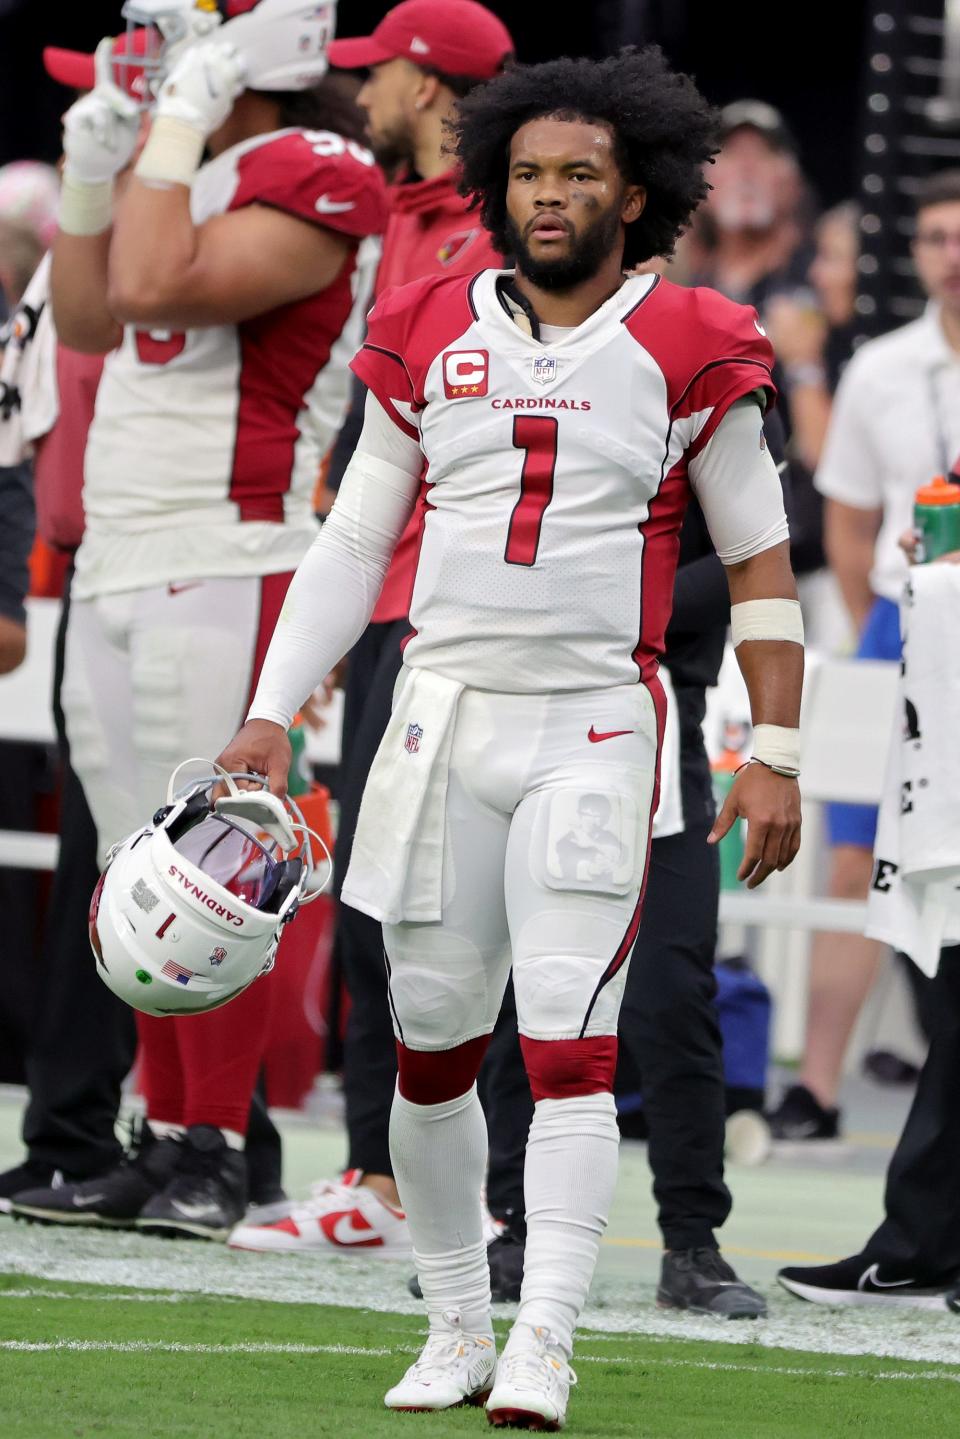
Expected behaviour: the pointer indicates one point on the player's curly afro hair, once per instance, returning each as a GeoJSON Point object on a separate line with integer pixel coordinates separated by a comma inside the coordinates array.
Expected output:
{"type": "Point", "coordinates": [664, 133]}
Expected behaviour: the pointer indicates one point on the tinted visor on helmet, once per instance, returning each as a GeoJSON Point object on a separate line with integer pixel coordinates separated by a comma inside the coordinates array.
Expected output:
{"type": "Point", "coordinates": [246, 867]}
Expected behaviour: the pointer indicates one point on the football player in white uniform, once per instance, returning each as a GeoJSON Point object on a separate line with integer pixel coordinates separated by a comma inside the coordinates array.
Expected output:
{"type": "Point", "coordinates": [231, 295]}
{"type": "Point", "coordinates": [565, 411]}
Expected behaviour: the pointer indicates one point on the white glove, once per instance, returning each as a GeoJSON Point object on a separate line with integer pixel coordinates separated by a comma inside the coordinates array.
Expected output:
{"type": "Point", "coordinates": [202, 86]}
{"type": "Point", "coordinates": [100, 131]}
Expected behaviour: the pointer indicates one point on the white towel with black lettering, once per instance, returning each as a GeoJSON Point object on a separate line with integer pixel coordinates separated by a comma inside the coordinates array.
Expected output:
{"type": "Point", "coordinates": [396, 865]}
{"type": "Point", "coordinates": [28, 371]}
{"type": "Point", "coordinates": [914, 901]}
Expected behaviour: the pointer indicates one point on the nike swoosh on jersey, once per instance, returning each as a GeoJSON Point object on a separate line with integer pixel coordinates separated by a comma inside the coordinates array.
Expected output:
{"type": "Point", "coordinates": [595, 738]}
{"type": "Point", "coordinates": [348, 1227]}
{"type": "Point", "coordinates": [326, 206]}
{"type": "Point", "coordinates": [871, 1277]}
{"type": "Point", "coordinates": [178, 589]}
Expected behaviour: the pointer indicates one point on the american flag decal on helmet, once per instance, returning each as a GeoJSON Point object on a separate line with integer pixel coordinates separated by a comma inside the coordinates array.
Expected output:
{"type": "Point", "coordinates": [177, 972]}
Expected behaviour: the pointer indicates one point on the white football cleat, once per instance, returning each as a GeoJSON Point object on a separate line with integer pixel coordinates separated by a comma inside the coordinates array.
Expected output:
{"type": "Point", "coordinates": [341, 1216]}
{"type": "Point", "coordinates": [533, 1382]}
{"type": "Point", "coordinates": [454, 1368]}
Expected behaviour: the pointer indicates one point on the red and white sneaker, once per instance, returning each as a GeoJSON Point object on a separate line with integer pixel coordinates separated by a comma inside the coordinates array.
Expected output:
{"type": "Point", "coordinates": [342, 1216]}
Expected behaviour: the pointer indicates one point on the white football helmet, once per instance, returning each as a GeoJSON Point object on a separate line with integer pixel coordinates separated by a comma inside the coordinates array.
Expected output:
{"type": "Point", "coordinates": [189, 910]}
{"type": "Point", "coordinates": [283, 43]}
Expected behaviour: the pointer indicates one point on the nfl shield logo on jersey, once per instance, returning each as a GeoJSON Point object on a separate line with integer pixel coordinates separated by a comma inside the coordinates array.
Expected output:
{"type": "Point", "coordinates": [543, 369]}
{"type": "Point", "coordinates": [414, 736]}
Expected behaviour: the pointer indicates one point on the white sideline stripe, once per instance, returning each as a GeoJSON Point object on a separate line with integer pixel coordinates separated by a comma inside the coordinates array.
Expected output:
{"type": "Point", "coordinates": [180, 1297]}
{"type": "Point", "coordinates": [162, 1346]}
{"type": "Point", "coordinates": [158, 1346]}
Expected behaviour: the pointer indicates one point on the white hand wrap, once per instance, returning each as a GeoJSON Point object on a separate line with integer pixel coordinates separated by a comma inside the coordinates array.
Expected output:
{"type": "Point", "coordinates": [766, 620]}
{"type": "Point", "coordinates": [172, 154]}
{"type": "Point", "coordinates": [778, 747]}
{"type": "Point", "coordinates": [85, 209]}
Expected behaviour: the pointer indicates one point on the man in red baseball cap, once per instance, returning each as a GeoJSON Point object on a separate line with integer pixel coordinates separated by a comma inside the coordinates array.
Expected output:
{"type": "Point", "coordinates": [452, 37]}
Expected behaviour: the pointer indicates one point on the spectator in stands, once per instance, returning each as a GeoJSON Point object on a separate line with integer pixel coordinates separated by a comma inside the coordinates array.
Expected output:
{"type": "Point", "coordinates": [251, 278]}
{"type": "Point", "coordinates": [751, 240]}
{"type": "Point", "coordinates": [895, 424]}
{"type": "Point", "coordinates": [422, 57]}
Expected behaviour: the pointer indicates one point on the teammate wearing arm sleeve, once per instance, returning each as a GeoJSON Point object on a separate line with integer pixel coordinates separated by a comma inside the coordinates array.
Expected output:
{"type": "Point", "coordinates": [229, 282]}
{"type": "Point", "coordinates": [564, 412]}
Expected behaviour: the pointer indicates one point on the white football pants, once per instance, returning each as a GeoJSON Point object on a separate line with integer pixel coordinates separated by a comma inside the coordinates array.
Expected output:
{"type": "Point", "coordinates": [153, 677]}
{"type": "Point", "coordinates": [547, 828]}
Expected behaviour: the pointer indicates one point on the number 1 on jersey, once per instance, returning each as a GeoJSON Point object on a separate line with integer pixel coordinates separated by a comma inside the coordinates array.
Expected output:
{"type": "Point", "coordinates": [537, 435]}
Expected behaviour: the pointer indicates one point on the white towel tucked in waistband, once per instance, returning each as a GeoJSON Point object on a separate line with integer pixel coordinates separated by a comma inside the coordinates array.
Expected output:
{"type": "Point", "coordinates": [669, 816]}
{"type": "Point", "coordinates": [396, 867]}
{"type": "Point", "coordinates": [914, 901]}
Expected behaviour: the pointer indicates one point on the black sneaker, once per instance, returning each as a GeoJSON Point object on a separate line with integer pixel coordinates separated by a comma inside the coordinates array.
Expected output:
{"type": "Point", "coordinates": [701, 1281]}
{"type": "Point", "coordinates": [864, 1280]}
{"type": "Point", "coordinates": [206, 1196]}
{"type": "Point", "coordinates": [953, 1299]}
{"type": "Point", "coordinates": [114, 1199]}
{"type": "Point", "coordinates": [31, 1174]}
{"type": "Point", "coordinates": [799, 1115]}
{"type": "Point", "coordinates": [505, 1256]}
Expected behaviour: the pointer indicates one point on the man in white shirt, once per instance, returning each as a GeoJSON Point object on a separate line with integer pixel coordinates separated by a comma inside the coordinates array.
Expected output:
{"type": "Point", "coordinates": [895, 424]}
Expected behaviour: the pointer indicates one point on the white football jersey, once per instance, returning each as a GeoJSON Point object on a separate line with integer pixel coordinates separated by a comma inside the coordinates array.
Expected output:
{"type": "Point", "coordinates": [557, 473]}
{"type": "Point", "coordinates": [206, 444]}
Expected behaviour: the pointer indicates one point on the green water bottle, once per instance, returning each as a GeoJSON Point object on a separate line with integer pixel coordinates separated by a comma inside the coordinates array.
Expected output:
{"type": "Point", "coordinates": [724, 769]}
{"type": "Point", "coordinates": [936, 518]}
{"type": "Point", "coordinates": [299, 778]}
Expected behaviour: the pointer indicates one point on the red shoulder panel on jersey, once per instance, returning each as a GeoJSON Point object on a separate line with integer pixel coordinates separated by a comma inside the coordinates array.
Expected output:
{"type": "Point", "coordinates": [710, 350]}
{"type": "Point", "coordinates": [317, 176]}
{"type": "Point", "coordinates": [408, 328]}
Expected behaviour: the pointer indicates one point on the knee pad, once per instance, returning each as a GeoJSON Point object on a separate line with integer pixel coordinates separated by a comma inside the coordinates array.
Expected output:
{"type": "Point", "coordinates": [568, 1068]}
{"type": "Point", "coordinates": [436, 1076]}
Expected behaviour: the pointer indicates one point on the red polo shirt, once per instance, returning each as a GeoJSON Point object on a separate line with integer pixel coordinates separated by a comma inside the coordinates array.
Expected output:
{"type": "Point", "coordinates": [430, 232]}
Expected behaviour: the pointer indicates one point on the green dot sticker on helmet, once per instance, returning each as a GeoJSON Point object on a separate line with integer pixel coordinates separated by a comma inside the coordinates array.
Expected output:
{"type": "Point", "coordinates": [144, 977]}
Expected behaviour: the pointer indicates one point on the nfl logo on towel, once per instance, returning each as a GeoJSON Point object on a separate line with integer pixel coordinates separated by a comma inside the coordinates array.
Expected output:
{"type": "Point", "coordinates": [414, 736]}
{"type": "Point", "coordinates": [544, 369]}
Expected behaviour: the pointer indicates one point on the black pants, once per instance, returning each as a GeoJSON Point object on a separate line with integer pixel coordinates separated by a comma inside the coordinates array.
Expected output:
{"type": "Point", "coordinates": [369, 1052]}
{"type": "Point", "coordinates": [85, 1038]}
{"type": "Point", "coordinates": [668, 1034]}
{"type": "Point", "coordinates": [921, 1232]}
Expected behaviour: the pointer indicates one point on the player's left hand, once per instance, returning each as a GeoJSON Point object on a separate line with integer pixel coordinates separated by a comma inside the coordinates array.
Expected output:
{"type": "Point", "coordinates": [202, 86]}
{"type": "Point", "coordinates": [770, 804]}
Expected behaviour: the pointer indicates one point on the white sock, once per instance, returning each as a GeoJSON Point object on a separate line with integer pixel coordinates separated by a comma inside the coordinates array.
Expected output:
{"type": "Point", "coordinates": [162, 1130]}
{"type": "Point", "coordinates": [569, 1178]}
{"type": "Point", "coordinates": [439, 1154]}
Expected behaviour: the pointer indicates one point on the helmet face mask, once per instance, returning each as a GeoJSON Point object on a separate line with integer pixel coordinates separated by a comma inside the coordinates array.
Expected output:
{"type": "Point", "coordinates": [189, 911]}
{"type": "Point", "coordinates": [283, 43]}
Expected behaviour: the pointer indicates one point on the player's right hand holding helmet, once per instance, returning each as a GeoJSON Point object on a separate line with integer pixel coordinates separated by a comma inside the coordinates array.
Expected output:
{"type": "Point", "coordinates": [100, 130]}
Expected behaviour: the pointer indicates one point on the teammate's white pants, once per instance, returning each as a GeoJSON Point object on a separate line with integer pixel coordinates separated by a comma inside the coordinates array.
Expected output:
{"type": "Point", "coordinates": [153, 677]}
{"type": "Point", "coordinates": [546, 840]}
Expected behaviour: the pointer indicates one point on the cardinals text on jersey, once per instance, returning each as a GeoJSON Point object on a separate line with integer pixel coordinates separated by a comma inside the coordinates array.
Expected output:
{"type": "Point", "coordinates": [557, 472]}
{"type": "Point", "coordinates": [225, 426]}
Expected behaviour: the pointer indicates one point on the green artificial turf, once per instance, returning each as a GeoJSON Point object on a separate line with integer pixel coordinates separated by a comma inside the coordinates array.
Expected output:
{"type": "Point", "coordinates": [629, 1385]}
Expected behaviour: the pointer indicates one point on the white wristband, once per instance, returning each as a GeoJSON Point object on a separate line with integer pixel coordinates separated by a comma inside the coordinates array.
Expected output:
{"type": "Point", "coordinates": [172, 153]}
{"type": "Point", "coordinates": [777, 746]}
{"type": "Point", "coordinates": [85, 209]}
{"type": "Point", "coordinates": [766, 620]}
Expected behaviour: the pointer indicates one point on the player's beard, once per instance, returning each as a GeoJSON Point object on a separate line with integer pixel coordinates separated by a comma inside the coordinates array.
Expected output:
{"type": "Point", "coordinates": [393, 150]}
{"type": "Point", "coordinates": [586, 254]}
